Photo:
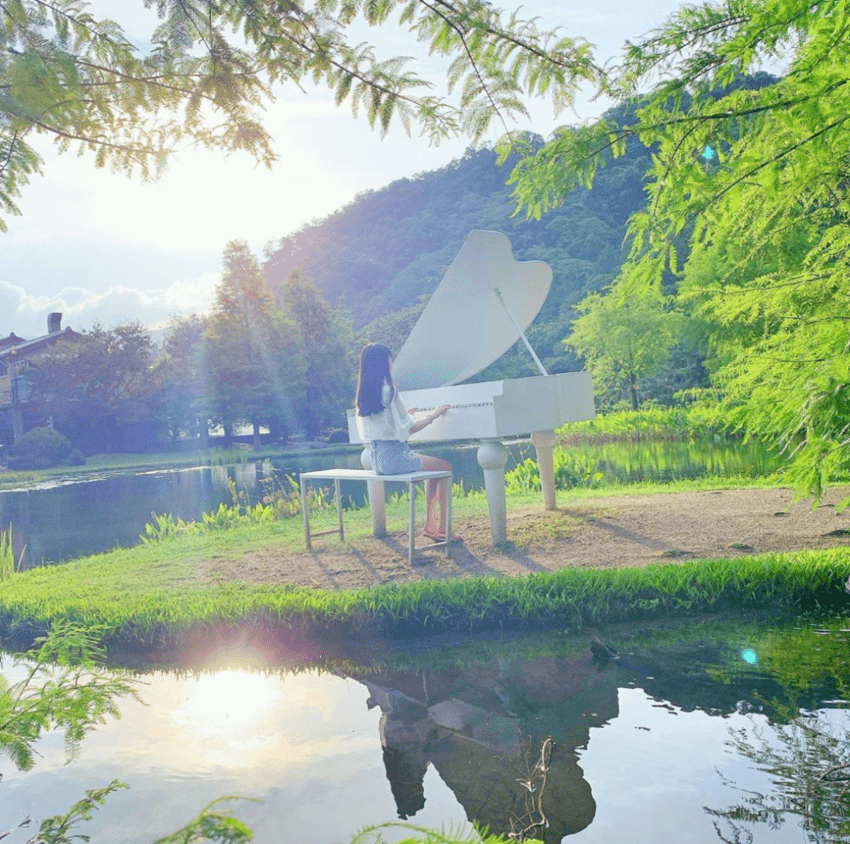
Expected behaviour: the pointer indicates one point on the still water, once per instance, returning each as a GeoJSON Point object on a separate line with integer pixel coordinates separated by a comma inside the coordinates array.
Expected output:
{"type": "Point", "coordinates": [717, 730]}
{"type": "Point", "coordinates": [66, 519]}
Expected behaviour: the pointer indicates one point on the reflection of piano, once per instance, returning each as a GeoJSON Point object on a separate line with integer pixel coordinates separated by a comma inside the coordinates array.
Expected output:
{"type": "Point", "coordinates": [480, 309]}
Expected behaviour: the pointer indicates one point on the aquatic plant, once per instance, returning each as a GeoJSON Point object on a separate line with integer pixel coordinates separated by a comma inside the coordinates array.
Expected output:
{"type": "Point", "coordinates": [426, 835]}
{"type": "Point", "coordinates": [571, 472]}
{"type": "Point", "coordinates": [698, 420]}
{"type": "Point", "coordinates": [229, 455]}
{"type": "Point", "coordinates": [281, 503]}
{"type": "Point", "coordinates": [164, 527]}
{"type": "Point", "coordinates": [8, 564]}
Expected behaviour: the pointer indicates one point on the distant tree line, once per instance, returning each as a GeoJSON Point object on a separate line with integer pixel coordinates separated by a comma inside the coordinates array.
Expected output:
{"type": "Point", "coordinates": [280, 364]}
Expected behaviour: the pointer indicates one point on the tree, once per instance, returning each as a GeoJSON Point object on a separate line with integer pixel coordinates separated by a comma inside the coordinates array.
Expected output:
{"type": "Point", "coordinates": [93, 387]}
{"type": "Point", "coordinates": [749, 162]}
{"type": "Point", "coordinates": [213, 64]}
{"type": "Point", "coordinates": [623, 340]}
{"type": "Point", "coordinates": [253, 354]}
{"type": "Point", "coordinates": [331, 360]}
{"type": "Point", "coordinates": [179, 374]}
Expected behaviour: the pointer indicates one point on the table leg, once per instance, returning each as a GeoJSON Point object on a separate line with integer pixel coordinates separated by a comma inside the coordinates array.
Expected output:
{"type": "Point", "coordinates": [304, 514]}
{"type": "Point", "coordinates": [339, 509]}
{"type": "Point", "coordinates": [411, 522]}
{"type": "Point", "coordinates": [449, 516]}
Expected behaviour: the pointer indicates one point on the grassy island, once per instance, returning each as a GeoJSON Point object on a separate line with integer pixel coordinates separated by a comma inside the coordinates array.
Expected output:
{"type": "Point", "coordinates": [164, 590]}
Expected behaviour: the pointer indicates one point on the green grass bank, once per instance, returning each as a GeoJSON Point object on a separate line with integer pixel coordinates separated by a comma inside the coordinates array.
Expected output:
{"type": "Point", "coordinates": [149, 597]}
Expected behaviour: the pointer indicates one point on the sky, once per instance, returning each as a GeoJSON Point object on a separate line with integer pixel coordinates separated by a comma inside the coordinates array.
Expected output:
{"type": "Point", "coordinates": [99, 247]}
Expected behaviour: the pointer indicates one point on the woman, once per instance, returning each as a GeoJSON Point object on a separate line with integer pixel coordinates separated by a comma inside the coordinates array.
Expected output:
{"type": "Point", "coordinates": [384, 422]}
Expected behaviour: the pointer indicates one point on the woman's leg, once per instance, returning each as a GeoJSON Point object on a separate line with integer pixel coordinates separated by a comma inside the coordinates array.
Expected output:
{"type": "Point", "coordinates": [435, 491]}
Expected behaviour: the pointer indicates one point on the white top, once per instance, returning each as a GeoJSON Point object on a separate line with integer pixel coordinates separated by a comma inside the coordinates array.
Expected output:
{"type": "Point", "coordinates": [394, 423]}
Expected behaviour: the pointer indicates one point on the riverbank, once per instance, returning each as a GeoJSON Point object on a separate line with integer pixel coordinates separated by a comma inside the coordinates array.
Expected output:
{"type": "Point", "coordinates": [104, 464]}
{"type": "Point", "coordinates": [594, 559]}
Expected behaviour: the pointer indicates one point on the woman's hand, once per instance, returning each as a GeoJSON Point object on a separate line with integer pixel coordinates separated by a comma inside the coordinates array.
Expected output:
{"type": "Point", "coordinates": [439, 411]}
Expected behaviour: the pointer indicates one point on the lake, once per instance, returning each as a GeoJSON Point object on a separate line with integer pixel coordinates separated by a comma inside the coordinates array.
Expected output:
{"type": "Point", "coordinates": [72, 517]}
{"type": "Point", "coordinates": [704, 731]}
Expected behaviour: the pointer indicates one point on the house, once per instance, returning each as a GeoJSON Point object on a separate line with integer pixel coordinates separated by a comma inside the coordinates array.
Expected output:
{"type": "Point", "coordinates": [15, 357]}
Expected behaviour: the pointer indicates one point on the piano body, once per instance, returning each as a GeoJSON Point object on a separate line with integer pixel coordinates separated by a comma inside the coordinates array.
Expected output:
{"type": "Point", "coordinates": [482, 306]}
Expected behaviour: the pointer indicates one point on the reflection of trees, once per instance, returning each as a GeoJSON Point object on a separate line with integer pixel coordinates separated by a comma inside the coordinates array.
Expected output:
{"type": "Point", "coordinates": [809, 763]}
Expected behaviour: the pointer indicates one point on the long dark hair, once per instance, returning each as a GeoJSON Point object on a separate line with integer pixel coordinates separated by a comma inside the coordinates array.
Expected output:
{"type": "Point", "coordinates": [374, 370]}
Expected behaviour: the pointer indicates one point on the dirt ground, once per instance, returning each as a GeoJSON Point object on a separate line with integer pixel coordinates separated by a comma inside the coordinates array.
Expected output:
{"type": "Point", "coordinates": [628, 530]}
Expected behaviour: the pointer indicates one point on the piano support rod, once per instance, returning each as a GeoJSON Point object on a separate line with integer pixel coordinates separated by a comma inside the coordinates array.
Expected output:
{"type": "Point", "coordinates": [521, 333]}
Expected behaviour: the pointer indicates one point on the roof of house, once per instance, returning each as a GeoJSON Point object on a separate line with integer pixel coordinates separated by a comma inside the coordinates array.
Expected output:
{"type": "Point", "coordinates": [11, 340]}
{"type": "Point", "coordinates": [23, 348]}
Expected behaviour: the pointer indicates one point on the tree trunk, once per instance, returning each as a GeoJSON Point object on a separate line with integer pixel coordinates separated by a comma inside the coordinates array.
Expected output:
{"type": "Point", "coordinates": [633, 391]}
{"type": "Point", "coordinates": [257, 439]}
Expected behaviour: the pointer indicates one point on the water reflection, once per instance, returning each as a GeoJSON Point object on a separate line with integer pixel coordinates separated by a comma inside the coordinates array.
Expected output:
{"type": "Point", "coordinates": [486, 729]}
{"type": "Point", "coordinates": [673, 741]}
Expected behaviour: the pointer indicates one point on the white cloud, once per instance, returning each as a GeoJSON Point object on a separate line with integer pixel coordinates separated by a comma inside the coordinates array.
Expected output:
{"type": "Point", "coordinates": [26, 314]}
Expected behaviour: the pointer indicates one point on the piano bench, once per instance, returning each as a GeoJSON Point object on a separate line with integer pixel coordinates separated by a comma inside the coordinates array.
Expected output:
{"type": "Point", "coordinates": [411, 479]}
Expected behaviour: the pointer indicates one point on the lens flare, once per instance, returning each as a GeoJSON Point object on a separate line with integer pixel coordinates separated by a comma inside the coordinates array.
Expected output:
{"type": "Point", "coordinates": [749, 656]}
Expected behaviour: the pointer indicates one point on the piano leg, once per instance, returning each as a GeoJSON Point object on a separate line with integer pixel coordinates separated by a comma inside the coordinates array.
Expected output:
{"type": "Point", "coordinates": [375, 491]}
{"type": "Point", "coordinates": [492, 457]}
{"type": "Point", "coordinates": [544, 442]}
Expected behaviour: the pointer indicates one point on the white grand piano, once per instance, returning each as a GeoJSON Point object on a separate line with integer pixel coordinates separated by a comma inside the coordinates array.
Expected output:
{"type": "Point", "coordinates": [483, 305]}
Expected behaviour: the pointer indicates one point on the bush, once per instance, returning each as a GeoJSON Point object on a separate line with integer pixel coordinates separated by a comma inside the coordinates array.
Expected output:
{"type": "Point", "coordinates": [336, 435]}
{"type": "Point", "coordinates": [43, 448]}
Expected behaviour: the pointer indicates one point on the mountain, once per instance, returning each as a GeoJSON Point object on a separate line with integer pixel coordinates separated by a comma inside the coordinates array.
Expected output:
{"type": "Point", "coordinates": [385, 252]}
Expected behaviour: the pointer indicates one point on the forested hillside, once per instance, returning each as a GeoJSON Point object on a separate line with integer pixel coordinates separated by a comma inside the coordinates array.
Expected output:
{"type": "Point", "coordinates": [382, 254]}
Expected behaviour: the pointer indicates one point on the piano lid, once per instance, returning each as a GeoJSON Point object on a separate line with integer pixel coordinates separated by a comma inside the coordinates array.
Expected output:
{"type": "Point", "coordinates": [466, 324]}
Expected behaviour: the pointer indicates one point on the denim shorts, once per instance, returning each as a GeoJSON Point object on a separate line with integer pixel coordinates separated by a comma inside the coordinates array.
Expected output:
{"type": "Point", "coordinates": [391, 457]}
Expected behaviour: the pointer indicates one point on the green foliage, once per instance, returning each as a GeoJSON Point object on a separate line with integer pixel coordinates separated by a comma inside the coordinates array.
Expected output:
{"type": "Point", "coordinates": [210, 66]}
{"type": "Point", "coordinates": [8, 564]}
{"type": "Point", "coordinates": [211, 825]}
{"type": "Point", "coordinates": [692, 421]}
{"type": "Point", "coordinates": [57, 829]}
{"type": "Point", "coordinates": [253, 354]}
{"type": "Point", "coordinates": [164, 527]}
{"type": "Point", "coordinates": [331, 359]}
{"type": "Point", "coordinates": [571, 472]}
{"type": "Point", "coordinates": [63, 688]}
{"type": "Point", "coordinates": [43, 448]}
{"type": "Point", "coordinates": [179, 378]}
{"type": "Point", "coordinates": [281, 499]}
{"type": "Point", "coordinates": [747, 200]}
{"type": "Point", "coordinates": [423, 835]}
{"type": "Point", "coordinates": [94, 384]}
{"type": "Point", "coordinates": [623, 340]}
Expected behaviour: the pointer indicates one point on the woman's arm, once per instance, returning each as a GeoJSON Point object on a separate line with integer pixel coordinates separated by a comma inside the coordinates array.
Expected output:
{"type": "Point", "coordinates": [424, 423]}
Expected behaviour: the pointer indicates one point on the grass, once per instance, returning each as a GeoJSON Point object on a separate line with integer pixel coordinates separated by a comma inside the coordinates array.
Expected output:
{"type": "Point", "coordinates": [149, 594]}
